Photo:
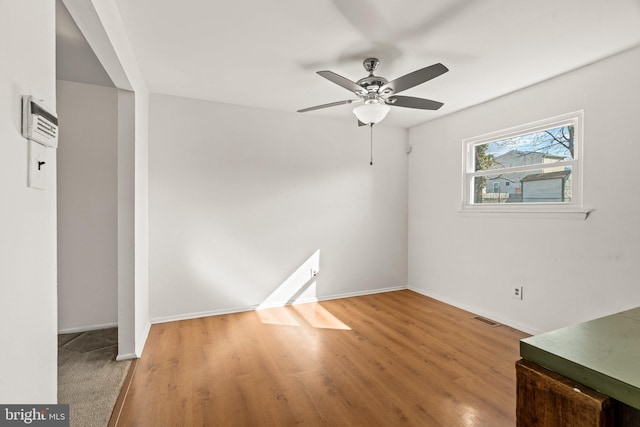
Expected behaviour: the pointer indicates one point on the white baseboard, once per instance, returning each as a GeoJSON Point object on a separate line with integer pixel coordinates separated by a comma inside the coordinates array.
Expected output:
{"type": "Point", "coordinates": [363, 293]}
{"type": "Point", "coordinates": [187, 316]}
{"type": "Point", "coordinates": [285, 303]}
{"type": "Point", "coordinates": [220, 312]}
{"type": "Point", "coordinates": [129, 356]}
{"type": "Point", "coordinates": [87, 328]}
{"type": "Point", "coordinates": [475, 310]}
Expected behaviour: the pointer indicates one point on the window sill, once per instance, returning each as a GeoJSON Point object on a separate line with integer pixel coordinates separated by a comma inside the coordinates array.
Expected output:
{"type": "Point", "coordinates": [527, 212]}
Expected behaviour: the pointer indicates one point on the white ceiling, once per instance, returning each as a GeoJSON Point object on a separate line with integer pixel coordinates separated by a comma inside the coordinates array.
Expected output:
{"type": "Point", "coordinates": [265, 53]}
{"type": "Point", "coordinates": [75, 60]}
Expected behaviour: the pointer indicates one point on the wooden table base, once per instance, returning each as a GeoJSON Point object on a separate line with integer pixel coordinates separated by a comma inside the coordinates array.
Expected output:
{"type": "Point", "coordinates": [547, 399]}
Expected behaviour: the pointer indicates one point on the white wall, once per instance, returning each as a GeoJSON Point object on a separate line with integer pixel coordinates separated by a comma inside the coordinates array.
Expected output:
{"type": "Point", "coordinates": [101, 25]}
{"type": "Point", "coordinates": [241, 197]}
{"type": "Point", "coordinates": [141, 218]}
{"type": "Point", "coordinates": [28, 312]}
{"type": "Point", "coordinates": [572, 270]}
{"type": "Point", "coordinates": [87, 207]}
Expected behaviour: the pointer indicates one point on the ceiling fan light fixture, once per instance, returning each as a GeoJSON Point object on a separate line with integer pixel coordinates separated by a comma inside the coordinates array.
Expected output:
{"type": "Point", "coordinates": [377, 93]}
{"type": "Point", "coordinates": [371, 114]}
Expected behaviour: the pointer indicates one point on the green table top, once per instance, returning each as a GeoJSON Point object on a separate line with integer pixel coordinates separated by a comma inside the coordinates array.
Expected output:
{"type": "Point", "coordinates": [603, 354]}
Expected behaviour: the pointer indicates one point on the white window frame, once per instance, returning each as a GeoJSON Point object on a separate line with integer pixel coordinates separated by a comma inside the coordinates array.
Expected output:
{"type": "Point", "coordinates": [568, 209]}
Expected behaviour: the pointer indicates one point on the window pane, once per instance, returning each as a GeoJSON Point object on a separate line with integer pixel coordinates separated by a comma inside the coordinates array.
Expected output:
{"type": "Point", "coordinates": [548, 185]}
{"type": "Point", "coordinates": [542, 147]}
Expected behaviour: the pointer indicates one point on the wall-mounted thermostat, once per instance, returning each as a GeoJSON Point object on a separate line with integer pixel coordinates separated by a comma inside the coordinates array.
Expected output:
{"type": "Point", "coordinates": [39, 123]}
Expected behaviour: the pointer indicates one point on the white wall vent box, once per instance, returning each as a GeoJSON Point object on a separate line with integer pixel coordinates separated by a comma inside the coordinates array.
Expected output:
{"type": "Point", "coordinates": [39, 123]}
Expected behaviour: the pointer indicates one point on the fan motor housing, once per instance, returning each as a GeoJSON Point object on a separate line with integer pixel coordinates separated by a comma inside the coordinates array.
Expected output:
{"type": "Point", "coordinates": [372, 83]}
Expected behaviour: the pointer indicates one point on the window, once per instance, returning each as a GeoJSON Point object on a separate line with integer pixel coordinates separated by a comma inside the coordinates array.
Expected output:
{"type": "Point", "coordinates": [530, 168]}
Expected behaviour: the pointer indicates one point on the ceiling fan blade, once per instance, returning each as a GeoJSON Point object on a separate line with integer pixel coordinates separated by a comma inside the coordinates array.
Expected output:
{"type": "Point", "coordinates": [412, 102]}
{"type": "Point", "coordinates": [414, 79]}
{"type": "Point", "coordinates": [331, 104]}
{"type": "Point", "coordinates": [342, 81]}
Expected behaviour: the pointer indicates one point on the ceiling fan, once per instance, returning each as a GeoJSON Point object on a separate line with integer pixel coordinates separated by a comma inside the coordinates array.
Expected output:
{"type": "Point", "coordinates": [377, 93]}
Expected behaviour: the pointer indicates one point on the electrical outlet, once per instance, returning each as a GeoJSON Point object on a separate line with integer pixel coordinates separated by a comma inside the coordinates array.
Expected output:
{"type": "Point", "coordinates": [517, 292]}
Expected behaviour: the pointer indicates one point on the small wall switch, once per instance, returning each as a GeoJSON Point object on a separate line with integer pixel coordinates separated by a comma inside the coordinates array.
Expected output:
{"type": "Point", "coordinates": [38, 166]}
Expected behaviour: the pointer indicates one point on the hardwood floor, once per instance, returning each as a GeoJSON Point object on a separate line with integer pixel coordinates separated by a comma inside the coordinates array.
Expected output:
{"type": "Point", "coordinates": [392, 359]}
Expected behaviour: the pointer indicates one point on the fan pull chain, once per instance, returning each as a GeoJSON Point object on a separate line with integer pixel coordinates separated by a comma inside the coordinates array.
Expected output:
{"type": "Point", "coordinates": [371, 148]}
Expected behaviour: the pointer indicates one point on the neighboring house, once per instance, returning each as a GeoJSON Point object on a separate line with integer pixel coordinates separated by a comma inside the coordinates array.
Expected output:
{"type": "Point", "coordinates": [545, 187]}
{"type": "Point", "coordinates": [506, 188]}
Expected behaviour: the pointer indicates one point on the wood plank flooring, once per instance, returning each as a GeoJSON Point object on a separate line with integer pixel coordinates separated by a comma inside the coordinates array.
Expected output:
{"type": "Point", "coordinates": [391, 359]}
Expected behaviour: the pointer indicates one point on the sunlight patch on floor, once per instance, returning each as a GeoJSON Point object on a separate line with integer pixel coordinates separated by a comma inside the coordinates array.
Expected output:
{"type": "Point", "coordinates": [294, 302]}
{"type": "Point", "coordinates": [312, 314]}
{"type": "Point", "coordinates": [319, 317]}
{"type": "Point", "coordinates": [277, 316]}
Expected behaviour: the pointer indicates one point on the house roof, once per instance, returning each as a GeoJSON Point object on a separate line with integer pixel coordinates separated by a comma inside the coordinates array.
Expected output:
{"type": "Point", "coordinates": [545, 176]}
{"type": "Point", "coordinates": [530, 153]}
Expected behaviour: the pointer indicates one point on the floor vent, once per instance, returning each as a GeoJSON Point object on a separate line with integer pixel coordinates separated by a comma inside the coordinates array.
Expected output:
{"type": "Point", "coordinates": [487, 321]}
